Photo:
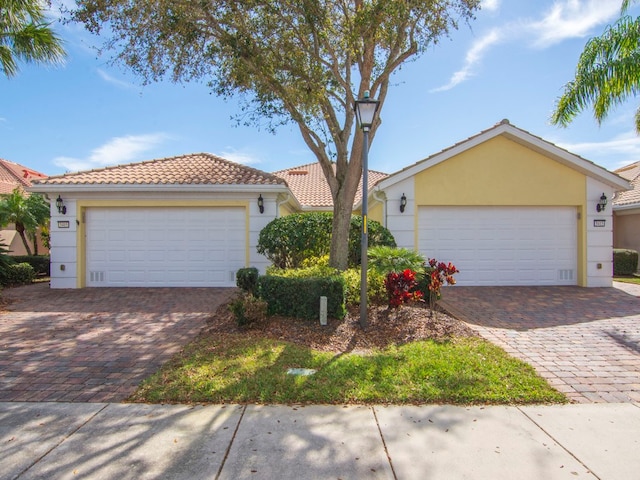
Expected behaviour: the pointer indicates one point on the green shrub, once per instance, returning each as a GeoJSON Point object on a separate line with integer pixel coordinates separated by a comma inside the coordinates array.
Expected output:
{"type": "Point", "coordinates": [625, 262]}
{"type": "Point", "coordinates": [248, 309]}
{"type": "Point", "coordinates": [376, 293]}
{"type": "Point", "coordinates": [384, 259]}
{"type": "Point", "coordinates": [288, 241]}
{"type": "Point", "coordinates": [300, 297]}
{"type": "Point", "coordinates": [41, 263]}
{"type": "Point", "coordinates": [18, 274]}
{"type": "Point", "coordinates": [247, 279]}
{"type": "Point", "coordinates": [378, 235]}
{"type": "Point", "coordinates": [312, 271]}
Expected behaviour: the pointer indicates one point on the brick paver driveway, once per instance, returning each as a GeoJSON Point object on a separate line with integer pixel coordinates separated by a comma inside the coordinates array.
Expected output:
{"type": "Point", "coordinates": [584, 341]}
{"type": "Point", "coordinates": [94, 345]}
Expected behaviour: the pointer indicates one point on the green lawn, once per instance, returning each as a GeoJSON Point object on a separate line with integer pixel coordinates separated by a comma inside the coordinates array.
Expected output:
{"type": "Point", "coordinates": [242, 369]}
{"type": "Point", "coordinates": [632, 279]}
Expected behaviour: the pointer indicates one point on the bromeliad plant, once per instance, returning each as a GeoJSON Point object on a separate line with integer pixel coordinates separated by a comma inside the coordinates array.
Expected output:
{"type": "Point", "coordinates": [402, 287]}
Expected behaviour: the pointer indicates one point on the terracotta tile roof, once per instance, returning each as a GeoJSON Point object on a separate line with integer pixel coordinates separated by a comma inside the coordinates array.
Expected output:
{"type": "Point", "coordinates": [13, 175]}
{"type": "Point", "coordinates": [309, 185]}
{"type": "Point", "coordinates": [632, 174]}
{"type": "Point", "coordinates": [192, 169]}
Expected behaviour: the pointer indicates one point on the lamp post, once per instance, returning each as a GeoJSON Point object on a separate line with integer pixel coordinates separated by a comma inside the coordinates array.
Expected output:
{"type": "Point", "coordinates": [365, 112]}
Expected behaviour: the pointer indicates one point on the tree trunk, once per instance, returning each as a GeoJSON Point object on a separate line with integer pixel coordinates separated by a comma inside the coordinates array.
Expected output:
{"type": "Point", "coordinates": [339, 253]}
{"type": "Point", "coordinates": [20, 230]}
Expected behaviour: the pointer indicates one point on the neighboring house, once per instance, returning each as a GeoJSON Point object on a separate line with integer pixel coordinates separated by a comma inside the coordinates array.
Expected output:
{"type": "Point", "coordinates": [310, 188]}
{"type": "Point", "coordinates": [505, 206]}
{"type": "Point", "coordinates": [626, 210]}
{"type": "Point", "coordinates": [12, 176]}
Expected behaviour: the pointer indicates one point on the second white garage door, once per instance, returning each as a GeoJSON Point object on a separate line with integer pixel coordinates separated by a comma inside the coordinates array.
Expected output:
{"type": "Point", "coordinates": [176, 247]}
{"type": "Point", "coordinates": [503, 245]}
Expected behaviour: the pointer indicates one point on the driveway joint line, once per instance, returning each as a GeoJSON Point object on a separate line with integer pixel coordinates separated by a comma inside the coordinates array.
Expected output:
{"type": "Point", "coordinates": [64, 439]}
{"type": "Point", "coordinates": [589, 470]}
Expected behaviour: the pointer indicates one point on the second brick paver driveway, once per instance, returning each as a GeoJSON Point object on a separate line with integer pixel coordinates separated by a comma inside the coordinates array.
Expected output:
{"type": "Point", "coordinates": [94, 345]}
{"type": "Point", "coordinates": [584, 341]}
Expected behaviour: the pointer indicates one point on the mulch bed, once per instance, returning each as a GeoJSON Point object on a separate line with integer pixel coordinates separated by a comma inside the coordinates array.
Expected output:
{"type": "Point", "coordinates": [386, 327]}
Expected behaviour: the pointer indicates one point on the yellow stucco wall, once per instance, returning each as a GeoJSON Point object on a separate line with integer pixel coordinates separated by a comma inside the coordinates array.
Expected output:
{"type": "Point", "coordinates": [376, 212]}
{"type": "Point", "coordinates": [500, 172]}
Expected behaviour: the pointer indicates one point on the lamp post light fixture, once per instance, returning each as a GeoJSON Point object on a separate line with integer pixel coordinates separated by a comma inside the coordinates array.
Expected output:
{"type": "Point", "coordinates": [602, 203]}
{"type": "Point", "coordinates": [61, 207]}
{"type": "Point", "coordinates": [365, 109]}
{"type": "Point", "coordinates": [261, 204]}
{"type": "Point", "coordinates": [403, 203]}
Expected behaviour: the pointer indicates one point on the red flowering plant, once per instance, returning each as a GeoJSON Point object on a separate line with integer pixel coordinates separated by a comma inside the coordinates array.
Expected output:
{"type": "Point", "coordinates": [435, 275]}
{"type": "Point", "coordinates": [402, 287]}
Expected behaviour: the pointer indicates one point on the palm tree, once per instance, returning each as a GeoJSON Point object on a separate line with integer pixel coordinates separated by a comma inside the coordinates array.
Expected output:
{"type": "Point", "coordinates": [27, 213]}
{"type": "Point", "coordinates": [26, 36]}
{"type": "Point", "coordinates": [608, 73]}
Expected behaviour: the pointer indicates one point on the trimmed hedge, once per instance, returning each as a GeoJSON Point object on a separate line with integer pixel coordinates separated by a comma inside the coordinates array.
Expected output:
{"type": "Point", "coordinates": [625, 262]}
{"type": "Point", "coordinates": [247, 279]}
{"type": "Point", "coordinates": [300, 297]}
{"type": "Point", "coordinates": [17, 274]}
{"type": "Point", "coordinates": [41, 263]}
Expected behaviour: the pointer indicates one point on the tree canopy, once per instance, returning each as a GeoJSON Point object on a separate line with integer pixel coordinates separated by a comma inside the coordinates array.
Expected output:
{"type": "Point", "coordinates": [27, 212]}
{"type": "Point", "coordinates": [26, 36]}
{"type": "Point", "coordinates": [300, 61]}
{"type": "Point", "coordinates": [607, 74]}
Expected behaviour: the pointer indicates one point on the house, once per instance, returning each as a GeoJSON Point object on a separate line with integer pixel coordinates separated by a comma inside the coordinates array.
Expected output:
{"type": "Point", "coordinates": [190, 220]}
{"type": "Point", "coordinates": [12, 176]}
{"type": "Point", "coordinates": [626, 210]}
{"type": "Point", "coordinates": [505, 206]}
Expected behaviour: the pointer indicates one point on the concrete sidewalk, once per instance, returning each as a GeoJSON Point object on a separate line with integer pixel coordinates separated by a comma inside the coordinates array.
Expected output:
{"type": "Point", "coordinates": [136, 441]}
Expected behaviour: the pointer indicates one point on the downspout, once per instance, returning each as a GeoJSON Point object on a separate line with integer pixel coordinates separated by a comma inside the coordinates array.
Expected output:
{"type": "Point", "coordinates": [278, 204]}
{"type": "Point", "coordinates": [383, 200]}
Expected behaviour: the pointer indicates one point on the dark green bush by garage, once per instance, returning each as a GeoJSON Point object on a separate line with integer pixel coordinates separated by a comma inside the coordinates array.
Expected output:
{"type": "Point", "coordinates": [300, 297]}
{"type": "Point", "coordinates": [625, 262]}
{"type": "Point", "coordinates": [17, 274]}
{"type": "Point", "coordinates": [40, 263]}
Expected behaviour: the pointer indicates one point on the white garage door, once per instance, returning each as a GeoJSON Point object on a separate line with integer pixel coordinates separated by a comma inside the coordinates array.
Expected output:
{"type": "Point", "coordinates": [503, 245]}
{"type": "Point", "coordinates": [176, 247]}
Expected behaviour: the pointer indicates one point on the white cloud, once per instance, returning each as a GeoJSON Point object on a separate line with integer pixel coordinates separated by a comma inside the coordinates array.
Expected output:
{"type": "Point", "coordinates": [571, 19]}
{"type": "Point", "coordinates": [114, 81]}
{"type": "Point", "coordinates": [473, 57]}
{"type": "Point", "coordinates": [118, 150]}
{"type": "Point", "coordinates": [238, 156]}
{"type": "Point", "coordinates": [564, 20]}
{"type": "Point", "coordinates": [490, 5]}
{"type": "Point", "coordinates": [621, 150]}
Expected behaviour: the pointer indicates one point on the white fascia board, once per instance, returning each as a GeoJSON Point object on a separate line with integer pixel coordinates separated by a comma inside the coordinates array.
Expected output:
{"type": "Point", "coordinates": [524, 138]}
{"type": "Point", "coordinates": [148, 188]}
{"type": "Point", "coordinates": [630, 206]}
{"type": "Point", "coordinates": [568, 159]}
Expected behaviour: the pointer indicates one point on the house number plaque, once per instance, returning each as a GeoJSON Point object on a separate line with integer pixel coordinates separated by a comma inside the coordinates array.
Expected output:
{"type": "Point", "coordinates": [63, 223]}
{"type": "Point", "coordinates": [599, 223]}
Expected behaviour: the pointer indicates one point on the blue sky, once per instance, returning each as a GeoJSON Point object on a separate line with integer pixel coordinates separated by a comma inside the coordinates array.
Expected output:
{"type": "Point", "coordinates": [512, 62]}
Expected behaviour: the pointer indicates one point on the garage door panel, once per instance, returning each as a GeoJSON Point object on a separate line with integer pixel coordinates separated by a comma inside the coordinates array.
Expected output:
{"type": "Point", "coordinates": [503, 245]}
{"type": "Point", "coordinates": [164, 246]}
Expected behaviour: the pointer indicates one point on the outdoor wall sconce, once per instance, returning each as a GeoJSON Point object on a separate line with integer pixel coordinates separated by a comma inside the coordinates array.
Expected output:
{"type": "Point", "coordinates": [403, 203]}
{"type": "Point", "coordinates": [602, 203]}
{"type": "Point", "coordinates": [261, 204]}
{"type": "Point", "coordinates": [61, 206]}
